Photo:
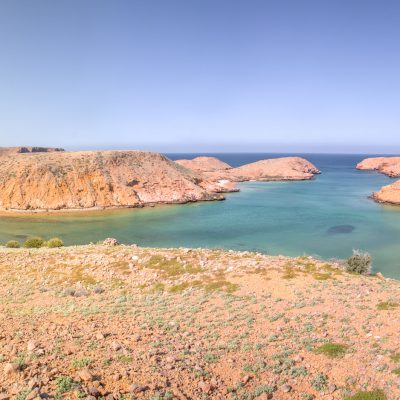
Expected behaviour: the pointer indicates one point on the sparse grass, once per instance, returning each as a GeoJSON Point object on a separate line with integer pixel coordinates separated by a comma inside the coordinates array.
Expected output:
{"type": "Point", "coordinates": [289, 273]}
{"type": "Point", "coordinates": [387, 305]}
{"type": "Point", "coordinates": [172, 267]}
{"type": "Point", "coordinates": [396, 371]}
{"type": "Point", "coordinates": [332, 350]}
{"type": "Point", "coordinates": [395, 357]}
{"type": "Point", "coordinates": [64, 384]}
{"type": "Point", "coordinates": [320, 276]}
{"type": "Point", "coordinates": [371, 395]}
{"type": "Point", "coordinates": [81, 362]}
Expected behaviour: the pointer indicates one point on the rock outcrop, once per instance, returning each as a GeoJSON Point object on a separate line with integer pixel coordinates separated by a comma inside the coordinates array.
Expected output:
{"type": "Point", "coordinates": [275, 169]}
{"type": "Point", "coordinates": [205, 164]}
{"type": "Point", "coordinates": [389, 194]}
{"type": "Point", "coordinates": [94, 179]}
{"type": "Point", "coordinates": [389, 166]}
{"type": "Point", "coordinates": [28, 149]}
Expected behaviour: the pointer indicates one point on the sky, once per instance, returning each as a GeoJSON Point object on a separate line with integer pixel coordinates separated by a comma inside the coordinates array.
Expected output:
{"type": "Point", "coordinates": [201, 75]}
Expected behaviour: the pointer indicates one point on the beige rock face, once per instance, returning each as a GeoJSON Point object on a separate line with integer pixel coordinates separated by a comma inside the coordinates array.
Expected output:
{"type": "Point", "coordinates": [389, 194]}
{"type": "Point", "coordinates": [27, 149]}
{"type": "Point", "coordinates": [386, 165]}
{"type": "Point", "coordinates": [205, 164]}
{"type": "Point", "coordinates": [277, 169]}
{"type": "Point", "coordinates": [107, 179]}
{"type": "Point", "coordinates": [389, 166]}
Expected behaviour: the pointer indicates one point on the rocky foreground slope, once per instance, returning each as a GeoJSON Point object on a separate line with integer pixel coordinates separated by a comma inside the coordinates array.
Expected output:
{"type": "Point", "coordinates": [99, 322]}
{"type": "Point", "coordinates": [53, 180]}
{"type": "Point", "coordinates": [389, 166]}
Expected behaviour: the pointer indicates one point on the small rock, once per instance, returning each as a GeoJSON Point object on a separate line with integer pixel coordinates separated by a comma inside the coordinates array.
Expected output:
{"type": "Point", "coordinates": [10, 368]}
{"type": "Point", "coordinates": [33, 394]}
{"type": "Point", "coordinates": [205, 387]}
{"type": "Point", "coordinates": [31, 345]}
{"type": "Point", "coordinates": [134, 388]}
{"type": "Point", "coordinates": [85, 375]}
{"type": "Point", "coordinates": [332, 388]}
{"type": "Point", "coordinates": [380, 276]}
{"type": "Point", "coordinates": [116, 346]}
{"type": "Point", "coordinates": [286, 388]}
{"type": "Point", "coordinates": [110, 242]}
{"type": "Point", "coordinates": [99, 336]}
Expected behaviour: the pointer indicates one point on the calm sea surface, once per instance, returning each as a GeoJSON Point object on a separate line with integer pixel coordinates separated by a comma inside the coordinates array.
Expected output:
{"type": "Point", "coordinates": [328, 216]}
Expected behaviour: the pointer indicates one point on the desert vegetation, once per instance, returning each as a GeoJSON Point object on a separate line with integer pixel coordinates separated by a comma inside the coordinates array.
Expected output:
{"type": "Point", "coordinates": [124, 322]}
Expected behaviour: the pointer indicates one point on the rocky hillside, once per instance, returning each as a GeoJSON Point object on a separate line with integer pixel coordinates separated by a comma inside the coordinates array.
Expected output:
{"type": "Point", "coordinates": [389, 166]}
{"type": "Point", "coordinates": [87, 180]}
{"type": "Point", "coordinates": [99, 322]}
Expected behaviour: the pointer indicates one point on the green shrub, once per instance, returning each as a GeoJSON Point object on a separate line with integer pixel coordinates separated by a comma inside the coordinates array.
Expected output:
{"type": "Point", "coordinates": [34, 243]}
{"type": "Point", "coordinates": [54, 242]}
{"type": "Point", "coordinates": [332, 350]}
{"type": "Point", "coordinates": [13, 244]}
{"type": "Point", "coordinates": [359, 263]}
{"type": "Point", "coordinates": [372, 395]}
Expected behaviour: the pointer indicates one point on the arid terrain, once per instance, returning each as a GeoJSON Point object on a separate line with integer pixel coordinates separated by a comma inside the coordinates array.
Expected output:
{"type": "Point", "coordinates": [54, 180]}
{"type": "Point", "coordinates": [123, 322]}
{"type": "Point", "coordinates": [389, 166]}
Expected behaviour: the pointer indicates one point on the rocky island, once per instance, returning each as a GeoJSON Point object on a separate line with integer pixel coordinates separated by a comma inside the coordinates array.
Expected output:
{"type": "Point", "coordinates": [389, 166]}
{"type": "Point", "coordinates": [122, 322]}
{"type": "Point", "coordinates": [54, 180]}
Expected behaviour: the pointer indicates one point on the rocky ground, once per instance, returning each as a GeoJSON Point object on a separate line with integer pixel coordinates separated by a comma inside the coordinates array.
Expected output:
{"type": "Point", "coordinates": [123, 322]}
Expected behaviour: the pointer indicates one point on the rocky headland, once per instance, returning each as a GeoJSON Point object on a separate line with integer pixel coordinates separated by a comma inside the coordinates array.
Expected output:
{"type": "Point", "coordinates": [276, 169]}
{"type": "Point", "coordinates": [44, 179]}
{"type": "Point", "coordinates": [97, 180]}
{"type": "Point", "coordinates": [116, 322]}
{"type": "Point", "coordinates": [28, 149]}
{"type": "Point", "coordinates": [389, 166]}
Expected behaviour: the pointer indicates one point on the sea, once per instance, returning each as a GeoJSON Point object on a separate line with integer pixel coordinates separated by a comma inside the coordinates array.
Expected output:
{"type": "Point", "coordinates": [327, 217]}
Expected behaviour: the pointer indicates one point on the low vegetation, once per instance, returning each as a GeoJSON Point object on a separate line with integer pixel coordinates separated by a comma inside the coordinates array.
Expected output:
{"type": "Point", "coordinates": [54, 243]}
{"type": "Point", "coordinates": [34, 242]}
{"type": "Point", "coordinates": [359, 263]}
{"type": "Point", "coordinates": [372, 395]}
{"type": "Point", "coordinates": [332, 350]}
{"type": "Point", "coordinates": [13, 244]}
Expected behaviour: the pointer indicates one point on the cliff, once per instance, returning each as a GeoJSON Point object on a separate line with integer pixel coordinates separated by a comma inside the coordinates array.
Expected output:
{"type": "Point", "coordinates": [389, 166]}
{"type": "Point", "coordinates": [86, 180]}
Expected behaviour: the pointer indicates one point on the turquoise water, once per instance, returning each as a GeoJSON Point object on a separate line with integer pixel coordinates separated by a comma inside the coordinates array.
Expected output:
{"type": "Point", "coordinates": [328, 216]}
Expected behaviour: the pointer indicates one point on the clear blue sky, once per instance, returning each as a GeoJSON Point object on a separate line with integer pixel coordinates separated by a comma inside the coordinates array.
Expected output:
{"type": "Point", "coordinates": [201, 75]}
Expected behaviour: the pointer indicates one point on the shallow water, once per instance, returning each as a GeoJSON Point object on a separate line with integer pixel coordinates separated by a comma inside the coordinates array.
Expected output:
{"type": "Point", "coordinates": [328, 216]}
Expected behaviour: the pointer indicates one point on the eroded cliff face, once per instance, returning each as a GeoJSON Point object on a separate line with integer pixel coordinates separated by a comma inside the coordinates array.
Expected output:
{"type": "Point", "coordinates": [106, 179]}
{"type": "Point", "coordinates": [389, 166]}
